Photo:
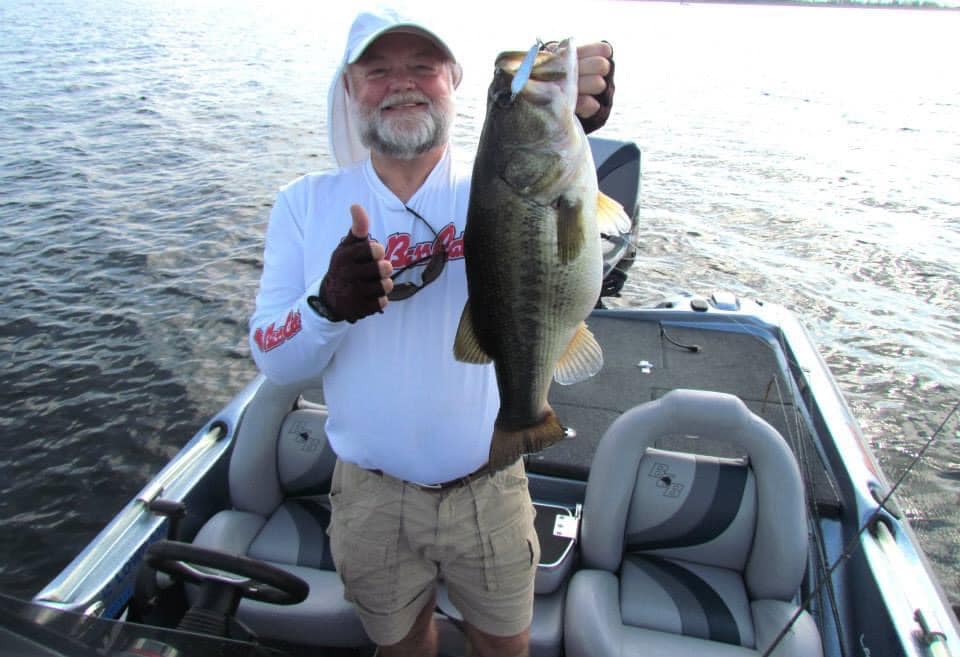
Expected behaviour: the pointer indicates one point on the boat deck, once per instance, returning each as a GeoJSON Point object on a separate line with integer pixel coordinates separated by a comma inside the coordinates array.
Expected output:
{"type": "Point", "coordinates": [653, 358]}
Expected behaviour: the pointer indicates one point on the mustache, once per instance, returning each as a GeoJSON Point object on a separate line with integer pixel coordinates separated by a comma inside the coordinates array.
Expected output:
{"type": "Point", "coordinates": [404, 98]}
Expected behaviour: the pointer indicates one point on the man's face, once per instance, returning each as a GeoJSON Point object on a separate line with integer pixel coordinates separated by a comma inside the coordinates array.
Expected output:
{"type": "Point", "coordinates": [402, 95]}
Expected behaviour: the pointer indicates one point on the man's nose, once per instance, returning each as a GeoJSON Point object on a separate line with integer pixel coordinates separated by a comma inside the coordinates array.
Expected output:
{"type": "Point", "coordinates": [401, 81]}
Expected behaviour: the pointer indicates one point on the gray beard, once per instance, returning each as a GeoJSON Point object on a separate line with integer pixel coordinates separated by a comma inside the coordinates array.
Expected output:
{"type": "Point", "coordinates": [403, 139]}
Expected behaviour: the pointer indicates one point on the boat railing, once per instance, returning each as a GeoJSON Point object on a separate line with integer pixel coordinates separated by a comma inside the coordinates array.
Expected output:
{"type": "Point", "coordinates": [117, 550]}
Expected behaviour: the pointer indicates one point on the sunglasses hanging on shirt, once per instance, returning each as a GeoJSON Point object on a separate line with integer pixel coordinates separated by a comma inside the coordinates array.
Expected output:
{"type": "Point", "coordinates": [433, 265]}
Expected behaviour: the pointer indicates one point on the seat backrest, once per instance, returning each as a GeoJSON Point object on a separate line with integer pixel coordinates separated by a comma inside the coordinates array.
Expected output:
{"type": "Point", "coordinates": [697, 508]}
{"type": "Point", "coordinates": [279, 450]}
{"type": "Point", "coordinates": [305, 459]}
{"type": "Point", "coordinates": [746, 516]}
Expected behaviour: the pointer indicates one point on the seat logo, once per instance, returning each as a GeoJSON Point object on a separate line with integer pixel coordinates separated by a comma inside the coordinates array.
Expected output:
{"type": "Point", "coordinates": [666, 480]}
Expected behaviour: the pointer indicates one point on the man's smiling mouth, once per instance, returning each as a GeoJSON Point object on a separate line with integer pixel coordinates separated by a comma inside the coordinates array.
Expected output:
{"type": "Point", "coordinates": [404, 106]}
{"type": "Point", "coordinates": [404, 102]}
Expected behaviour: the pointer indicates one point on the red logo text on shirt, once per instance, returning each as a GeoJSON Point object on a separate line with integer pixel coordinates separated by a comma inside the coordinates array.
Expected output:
{"type": "Point", "coordinates": [274, 335]}
{"type": "Point", "coordinates": [400, 253]}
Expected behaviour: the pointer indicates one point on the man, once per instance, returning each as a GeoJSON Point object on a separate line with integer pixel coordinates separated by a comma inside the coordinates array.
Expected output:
{"type": "Point", "coordinates": [364, 283]}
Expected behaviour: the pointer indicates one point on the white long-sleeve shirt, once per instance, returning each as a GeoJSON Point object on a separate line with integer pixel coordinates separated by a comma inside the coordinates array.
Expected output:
{"type": "Point", "coordinates": [398, 400]}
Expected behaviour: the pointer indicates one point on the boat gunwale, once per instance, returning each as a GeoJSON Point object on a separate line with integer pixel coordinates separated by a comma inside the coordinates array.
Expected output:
{"type": "Point", "coordinates": [115, 552]}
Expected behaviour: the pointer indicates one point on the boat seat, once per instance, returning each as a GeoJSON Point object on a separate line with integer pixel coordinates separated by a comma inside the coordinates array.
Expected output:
{"type": "Point", "coordinates": [685, 554]}
{"type": "Point", "coordinates": [280, 515]}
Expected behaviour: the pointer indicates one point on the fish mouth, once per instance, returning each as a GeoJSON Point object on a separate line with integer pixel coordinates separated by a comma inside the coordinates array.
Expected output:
{"type": "Point", "coordinates": [549, 65]}
{"type": "Point", "coordinates": [553, 67]}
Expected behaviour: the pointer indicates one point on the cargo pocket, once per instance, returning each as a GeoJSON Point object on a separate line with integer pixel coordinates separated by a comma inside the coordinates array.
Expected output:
{"type": "Point", "coordinates": [363, 541]}
{"type": "Point", "coordinates": [511, 555]}
{"type": "Point", "coordinates": [366, 571]}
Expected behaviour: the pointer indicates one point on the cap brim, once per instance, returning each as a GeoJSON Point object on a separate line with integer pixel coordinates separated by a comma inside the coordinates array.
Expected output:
{"type": "Point", "coordinates": [402, 28]}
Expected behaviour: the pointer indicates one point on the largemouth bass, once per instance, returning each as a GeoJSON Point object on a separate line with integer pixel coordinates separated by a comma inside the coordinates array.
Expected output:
{"type": "Point", "coordinates": [532, 246]}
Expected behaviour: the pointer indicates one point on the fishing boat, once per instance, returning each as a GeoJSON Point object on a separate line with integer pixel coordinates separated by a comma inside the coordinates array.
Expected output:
{"type": "Point", "coordinates": [717, 499]}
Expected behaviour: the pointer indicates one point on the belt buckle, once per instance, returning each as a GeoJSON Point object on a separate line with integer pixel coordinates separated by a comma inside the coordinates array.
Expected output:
{"type": "Point", "coordinates": [453, 483]}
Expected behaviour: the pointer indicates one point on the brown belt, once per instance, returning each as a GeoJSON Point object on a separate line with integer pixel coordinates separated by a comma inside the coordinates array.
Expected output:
{"type": "Point", "coordinates": [482, 471]}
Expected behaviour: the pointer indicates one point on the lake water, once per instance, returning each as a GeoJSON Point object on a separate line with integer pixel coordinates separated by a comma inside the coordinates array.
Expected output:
{"type": "Point", "coordinates": [804, 155]}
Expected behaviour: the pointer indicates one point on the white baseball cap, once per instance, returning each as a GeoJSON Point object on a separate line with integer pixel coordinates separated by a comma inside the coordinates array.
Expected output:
{"type": "Point", "coordinates": [368, 27]}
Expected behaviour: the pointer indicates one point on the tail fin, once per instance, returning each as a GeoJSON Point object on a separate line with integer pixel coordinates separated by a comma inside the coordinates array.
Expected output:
{"type": "Point", "coordinates": [509, 445]}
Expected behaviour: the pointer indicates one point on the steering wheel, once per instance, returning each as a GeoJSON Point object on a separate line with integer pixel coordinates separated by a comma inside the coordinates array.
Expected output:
{"type": "Point", "coordinates": [250, 578]}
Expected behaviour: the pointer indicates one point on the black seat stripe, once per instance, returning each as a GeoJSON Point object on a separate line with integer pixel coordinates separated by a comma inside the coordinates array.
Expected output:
{"type": "Point", "coordinates": [311, 519]}
{"type": "Point", "coordinates": [703, 613]}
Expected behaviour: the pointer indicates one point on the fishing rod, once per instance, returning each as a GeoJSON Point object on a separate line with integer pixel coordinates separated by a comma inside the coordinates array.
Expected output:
{"type": "Point", "coordinates": [852, 544]}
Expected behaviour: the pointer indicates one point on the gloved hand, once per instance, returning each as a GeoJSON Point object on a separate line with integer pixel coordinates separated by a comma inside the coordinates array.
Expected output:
{"type": "Point", "coordinates": [358, 279]}
{"type": "Point", "coordinates": [595, 86]}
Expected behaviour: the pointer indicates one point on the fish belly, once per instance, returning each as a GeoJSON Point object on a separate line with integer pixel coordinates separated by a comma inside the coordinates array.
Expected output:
{"type": "Point", "coordinates": [526, 305]}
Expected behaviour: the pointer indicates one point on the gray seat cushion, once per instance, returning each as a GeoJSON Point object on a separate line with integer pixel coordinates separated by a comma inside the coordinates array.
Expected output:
{"type": "Point", "coordinates": [685, 598]}
{"type": "Point", "coordinates": [593, 627]}
{"type": "Point", "coordinates": [331, 619]}
{"type": "Point", "coordinates": [293, 539]}
{"type": "Point", "coordinates": [296, 534]}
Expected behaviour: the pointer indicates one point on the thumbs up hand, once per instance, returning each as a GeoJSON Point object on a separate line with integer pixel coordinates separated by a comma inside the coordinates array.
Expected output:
{"type": "Point", "coordinates": [358, 279]}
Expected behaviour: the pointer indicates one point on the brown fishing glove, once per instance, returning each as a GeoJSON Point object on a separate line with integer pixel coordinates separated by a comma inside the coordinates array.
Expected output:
{"type": "Point", "coordinates": [351, 288]}
{"type": "Point", "coordinates": [605, 98]}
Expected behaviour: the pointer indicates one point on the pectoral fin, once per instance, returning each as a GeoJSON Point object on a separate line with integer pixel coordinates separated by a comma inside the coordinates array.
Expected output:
{"type": "Point", "coordinates": [570, 237]}
{"type": "Point", "coordinates": [611, 217]}
{"type": "Point", "coordinates": [582, 359]}
{"type": "Point", "coordinates": [466, 347]}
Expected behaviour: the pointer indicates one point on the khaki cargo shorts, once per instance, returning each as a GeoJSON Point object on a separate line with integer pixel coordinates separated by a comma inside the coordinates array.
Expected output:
{"type": "Point", "coordinates": [391, 541]}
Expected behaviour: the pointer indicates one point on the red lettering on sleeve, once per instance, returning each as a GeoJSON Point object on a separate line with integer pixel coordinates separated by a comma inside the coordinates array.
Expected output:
{"type": "Point", "coordinates": [292, 326]}
{"type": "Point", "coordinates": [272, 337]}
